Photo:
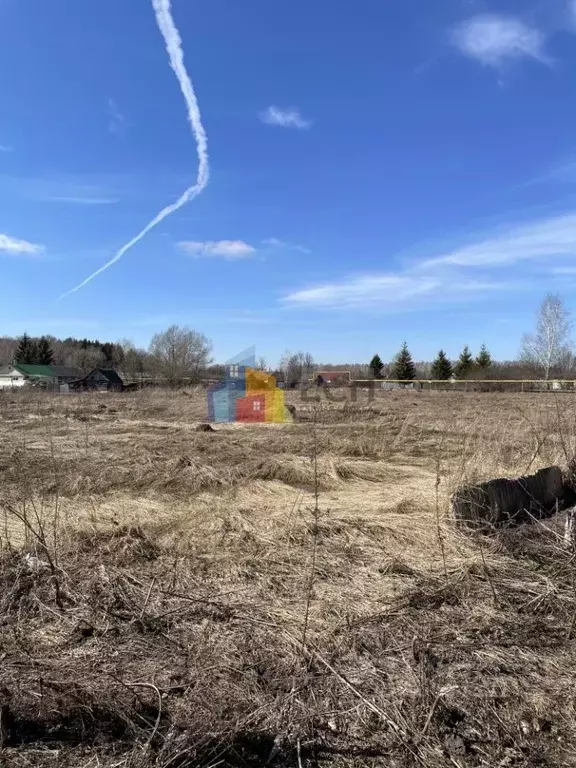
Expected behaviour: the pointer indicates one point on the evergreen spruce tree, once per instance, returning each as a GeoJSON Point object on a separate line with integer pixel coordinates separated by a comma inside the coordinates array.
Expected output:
{"type": "Point", "coordinates": [465, 364]}
{"type": "Point", "coordinates": [441, 367]}
{"type": "Point", "coordinates": [108, 350]}
{"type": "Point", "coordinates": [26, 350]}
{"type": "Point", "coordinates": [484, 359]}
{"type": "Point", "coordinates": [404, 368]}
{"type": "Point", "coordinates": [376, 366]}
{"type": "Point", "coordinates": [44, 356]}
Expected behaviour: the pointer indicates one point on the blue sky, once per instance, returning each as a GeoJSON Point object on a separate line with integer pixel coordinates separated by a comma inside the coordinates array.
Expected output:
{"type": "Point", "coordinates": [395, 170]}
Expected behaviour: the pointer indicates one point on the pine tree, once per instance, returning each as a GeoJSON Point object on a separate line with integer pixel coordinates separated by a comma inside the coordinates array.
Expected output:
{"type": "Point", "coordinates": [44, 356]}
{"type": "Point", "coordinates": [26, 351]}
{"type": "Point", "coordinates": [465, 364]}
{"type": "Point", "coordinates": [376, 366]}
{"type": "Point", "coordinates": [441, 367]}
{"type": "Point", "coordinates": [109, 350]}
{"type": "Point", "coordinates": [484, 359]}
{"type": "Point", "coordinates": [404, 368]}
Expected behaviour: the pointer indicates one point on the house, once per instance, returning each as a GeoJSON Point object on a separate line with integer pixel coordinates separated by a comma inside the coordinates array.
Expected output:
{"type": "Point", "coordinates": [65, 374]}
{"type": "Point", "coordinates": [100, 379]}
{"type": "Point", "coordinates": [47, 376]}
{"type": "Point", "coordinates": [18, 374]}
{"type": "Point", "coordinates": [332, 378]}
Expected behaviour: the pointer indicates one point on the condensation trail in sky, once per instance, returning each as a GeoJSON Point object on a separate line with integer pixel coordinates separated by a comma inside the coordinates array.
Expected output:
{"type": "Point", "coordinates": [173, 41]}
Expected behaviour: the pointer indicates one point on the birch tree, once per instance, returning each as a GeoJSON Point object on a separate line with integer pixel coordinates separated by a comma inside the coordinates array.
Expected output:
{"type": "Point", "coordinates": [550, 345]}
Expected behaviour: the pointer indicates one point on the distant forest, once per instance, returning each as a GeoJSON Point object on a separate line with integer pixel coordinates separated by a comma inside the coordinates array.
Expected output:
{"type": "Point", "coordinates": [135, 362]}
{"type": "Point", "coordinates": [181, 353]}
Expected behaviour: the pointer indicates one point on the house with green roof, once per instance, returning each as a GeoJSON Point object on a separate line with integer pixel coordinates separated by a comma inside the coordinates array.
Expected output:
{"type": "Point", "coordinates": [16, 375]}
{"type": "Point", "coordinates": [19, 374]}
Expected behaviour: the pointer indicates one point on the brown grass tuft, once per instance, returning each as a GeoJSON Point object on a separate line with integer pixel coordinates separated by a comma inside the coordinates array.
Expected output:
{"type": "Point", "coordinates": [155, 582]}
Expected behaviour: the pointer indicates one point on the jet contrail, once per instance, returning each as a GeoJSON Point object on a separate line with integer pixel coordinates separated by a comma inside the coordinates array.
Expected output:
{"type": "Point", "coordinates": [173, 42]}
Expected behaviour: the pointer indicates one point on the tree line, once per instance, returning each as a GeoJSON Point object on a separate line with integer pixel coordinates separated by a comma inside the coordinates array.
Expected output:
{"type": "Point", "coordinates": [547, 351]}
{"type": "Point", "coordinates": [70, 352]}
{"type": "Point", "coordinates": [181, 353]}
{"type": "Point", "coordinates": [175, 354]}
{"type": "Point", "coordinates": [404, 369]}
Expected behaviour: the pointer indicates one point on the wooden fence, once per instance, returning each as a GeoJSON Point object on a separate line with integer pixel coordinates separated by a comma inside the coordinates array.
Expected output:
{"type": "Point", "coordinates": [470, 385]}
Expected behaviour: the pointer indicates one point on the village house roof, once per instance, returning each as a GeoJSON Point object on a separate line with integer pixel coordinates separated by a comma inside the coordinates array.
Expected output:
{"type": "Point", "coordinates": [64, 372]}
{"type": "Point", "coordinates": [108, 373]}
{"type": "Point", "coordinates": [43, 371]}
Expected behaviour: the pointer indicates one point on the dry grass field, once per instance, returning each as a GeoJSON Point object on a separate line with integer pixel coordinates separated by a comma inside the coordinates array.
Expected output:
{"type": "Point", "coordinates": [281, 595]}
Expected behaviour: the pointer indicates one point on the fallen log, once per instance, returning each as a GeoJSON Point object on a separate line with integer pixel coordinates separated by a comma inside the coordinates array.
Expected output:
{"type": "Point", "coordinates": [503, 502]}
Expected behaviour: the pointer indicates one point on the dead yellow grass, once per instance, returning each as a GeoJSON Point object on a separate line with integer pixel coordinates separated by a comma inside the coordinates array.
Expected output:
{"type": "Point", "coordinates": [156, 613]}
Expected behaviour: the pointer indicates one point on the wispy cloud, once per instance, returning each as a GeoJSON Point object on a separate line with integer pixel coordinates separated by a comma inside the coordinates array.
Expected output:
{"type": "Point", "coordinates": [473, 269]}
{"type": "Point", "coordinates": [117, 123]}
{"type": "Point", "coordinates": [363, 290]}
{"type": "Point", "coordinates": [83, 200]}
{"type": "Point", "coordinates": [69, 188]}
{"type": "Point", "coordinates": [5, 148]}
{"type": "Point", "coordinates": [563, 271]}
{"type": "Point", "coordinates": [495, 40]}
{"type": "Point", "coordinates": [547, 238]}
{"type": "Point", "coordinates": [232, 250]}
{"type": "Point", "coordinates": [173, 42]}
{"type": "Point", "coordinates": [286, 118]}
{"type": "Point", "coordinates": [274, 242]}
{"type": "Point", "coordinates": [15, 247]}
{"type": "Point", "coordinates": [390, 291]}
{"type": "Point", "coordinates": [563, 172]}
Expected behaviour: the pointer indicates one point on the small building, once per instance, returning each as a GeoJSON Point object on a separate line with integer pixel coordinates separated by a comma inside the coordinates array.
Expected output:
{"type": "Point", "coordinates": [101, 380]}
{"type": "Point", "coordinates": [19, 374]}
{"type": "Point", "coordinates": [332, 378]}
{"type": "Point", "coordinates": [65, 374]}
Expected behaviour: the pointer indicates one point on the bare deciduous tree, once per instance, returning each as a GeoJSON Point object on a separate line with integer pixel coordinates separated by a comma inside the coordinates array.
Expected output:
{"type": "Point", "coordinates": [297, 366]}
{"type": "Point", "coordinates": [180, 353]}
{"type": "Point", "coordinates": [550, 345]}
{"type": "Point", "coordinates": [85, 358]}
{"type": "Point", "coordinates": [7, 349]}
{"type": "Point", "coordinates": [135, 363]}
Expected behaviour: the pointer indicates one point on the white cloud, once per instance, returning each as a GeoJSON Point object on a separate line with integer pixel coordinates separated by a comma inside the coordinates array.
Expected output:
{"type": "Point", "coordinates": [224, 249]}
{"type": "Point", "coordinates": [16, 247]}
{"type": "Point", "coordinates": [286, 118]}
{"type": "Point", "coordinates": [117, 123]}
{"type": "Point", "coordinates": [494, 40]}
{"type": "Point", "coordinates": [548, 238]}
{"type": "Point", "coordinates": [366, 290]}
{"type": "Point", "coordinates": [387, 291]}
{"type": "Point", "coordinates": [274, 242]}
{"type": "Point", "coordinates": [465, 271]}
{"type": "Point", "coordinates": [563, 271]}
